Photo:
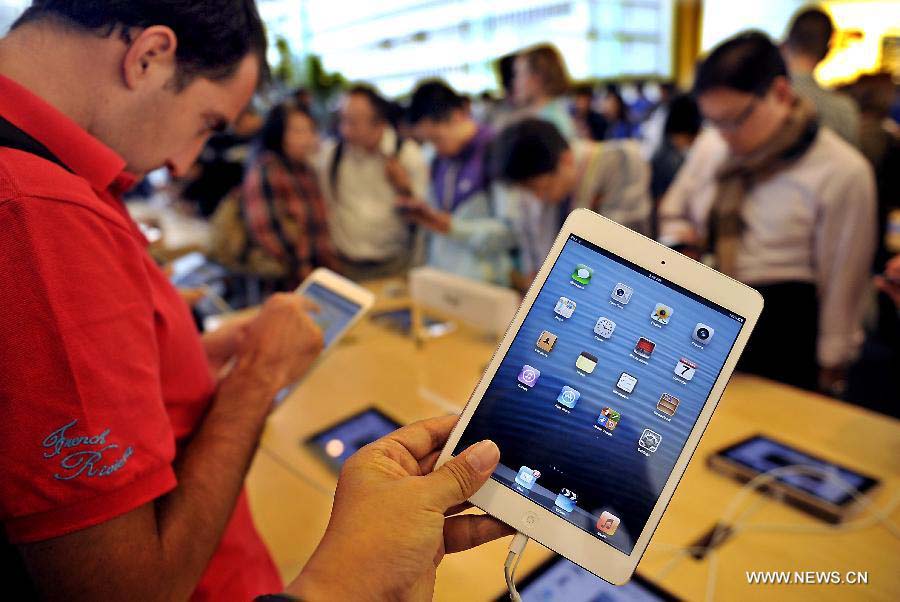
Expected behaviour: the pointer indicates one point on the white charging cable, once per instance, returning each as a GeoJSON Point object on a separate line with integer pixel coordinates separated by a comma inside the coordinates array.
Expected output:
{"type": "Point", "coordinates": [516, 547]}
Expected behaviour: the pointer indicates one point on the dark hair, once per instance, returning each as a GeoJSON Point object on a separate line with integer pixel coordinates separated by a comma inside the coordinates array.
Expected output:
{"type": "Point", "coordinates": [213, 36]}
{"type": "Point", "coordinates": [810, 33]}
{"type": "Point", "coordinates": [271, 135]}
{"type": "Point", "coordinates": [684, 116]}
{"type": "Point", "coordinates": [526, 149]}
{"type": "Point", "coordinates": [748, 62]}
{"type": "Point", "coordinates": [545, 61]}
{"type": "Point", "coordinates": [505, 66]}
{"type": "Point", "coordinates": [583, 90]}
{"type": "Point", "coordinates": [385, 111]}
{"type": "Point", "coordinates": [434, 100]}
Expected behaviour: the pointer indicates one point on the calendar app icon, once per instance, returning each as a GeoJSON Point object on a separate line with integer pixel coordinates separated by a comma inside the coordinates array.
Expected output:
{"type": "Point", "coordinates": [685, 369]}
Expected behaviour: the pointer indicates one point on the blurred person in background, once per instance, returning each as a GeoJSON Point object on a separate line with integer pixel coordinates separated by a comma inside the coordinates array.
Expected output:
{"type": "Point", "coordinates": [467, 236]}
{"type": "Point", "coordinates": [889, 282]}
{"type": "Point", "coordinates": [682, 125]}
{"type": "Point", "coordinates": [220, 166]}
{"type": "Point", "coordinates": [615, 111]}
{"type": "Point", "coordinates": [610, 178]}
{"type": "Point", "coordinates": [783, 205]}
{"type": "Point", "coordinates": [363, 173]}
{"type": "Point", "coordinates": [641, 107]}
{"type": "Point", "coordinates": [651, 129]}
{"type": "Point", "coordinates": [589, 123]}
{"type": "Point", "coordinates": [875, 379]}
{"type": "Point", "coordinates": [808, 43]}
{"type": "Point", "coordinates": [124, 447]}
{"type": "Point", "coordinates": [285, 214]}
{"type": "Point", "coordinates": [540, 84]}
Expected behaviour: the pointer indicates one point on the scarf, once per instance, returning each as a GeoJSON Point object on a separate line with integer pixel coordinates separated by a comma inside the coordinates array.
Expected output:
{"type": "Point", "coordinates": [739, 174]}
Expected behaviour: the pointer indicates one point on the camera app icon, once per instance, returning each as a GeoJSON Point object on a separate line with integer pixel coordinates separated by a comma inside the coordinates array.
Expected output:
{"type": "Point", "coordinates": [529, 375]}
{"type": "Point", "coordinates": [703, 334]}
{"type": "Point", "coordinates": [621, 293]}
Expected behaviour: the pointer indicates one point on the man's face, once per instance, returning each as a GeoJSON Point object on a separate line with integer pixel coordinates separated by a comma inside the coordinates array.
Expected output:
{"type": "Point", "coordinates": [582, 103]}
{"type": "Point", "coordinates": [171, 126]}
{"type": "Point", "coordinates": [744, 120]}
{"type": "Point", "coordinates": [526, 85]}
{"type": "Point", "coordinates": [443, 134]}
{"type": "Point", "coordinates": [359, 123]}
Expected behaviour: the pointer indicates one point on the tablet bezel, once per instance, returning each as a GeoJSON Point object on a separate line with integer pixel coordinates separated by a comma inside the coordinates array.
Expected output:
{"type": "Point", "coordinates": [540, 523]}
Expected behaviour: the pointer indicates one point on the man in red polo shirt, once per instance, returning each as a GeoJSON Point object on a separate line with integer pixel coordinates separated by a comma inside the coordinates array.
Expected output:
{"type": "Point", "coordinates": [122, 458]}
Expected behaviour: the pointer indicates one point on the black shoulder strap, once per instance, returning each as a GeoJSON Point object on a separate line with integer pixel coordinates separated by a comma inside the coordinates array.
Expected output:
{"type": "Point", "coordinates": [13, 137]}
{"type": "Point", "coordinates": [335, 164]}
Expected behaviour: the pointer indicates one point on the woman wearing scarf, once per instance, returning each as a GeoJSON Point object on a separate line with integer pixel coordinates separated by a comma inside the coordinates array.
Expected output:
{"type": "Point", "coordinates": [783, 204]}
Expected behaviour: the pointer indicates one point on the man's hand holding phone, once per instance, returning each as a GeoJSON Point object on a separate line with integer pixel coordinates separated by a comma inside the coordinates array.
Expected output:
{"type": "Point", "coordinates": [280, 344]}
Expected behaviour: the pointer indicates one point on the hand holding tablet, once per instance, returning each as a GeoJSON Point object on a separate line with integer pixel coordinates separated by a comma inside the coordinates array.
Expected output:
{"type": "Point", "coordinates": [602, 386]}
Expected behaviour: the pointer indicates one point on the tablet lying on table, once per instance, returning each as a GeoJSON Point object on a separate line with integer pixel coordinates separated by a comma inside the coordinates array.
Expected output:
{"type": "Point", "coordinates": [339, 441]}
{"type": "Point", "coordinates": [558, 580]}
{"type": "Point", "coordinates": [825, 491]}
{"type": "Point", "coordinates": [601, 389]}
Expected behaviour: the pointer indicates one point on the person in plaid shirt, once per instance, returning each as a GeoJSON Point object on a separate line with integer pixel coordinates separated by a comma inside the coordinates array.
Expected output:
{"type": "Point", "coordinates": [282, 203]}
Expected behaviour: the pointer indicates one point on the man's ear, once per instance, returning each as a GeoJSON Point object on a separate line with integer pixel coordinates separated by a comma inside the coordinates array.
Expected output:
{"type": "Point", "coordinates": [781, 86]}
{"type": "Point", "coordinates": [151, 57]}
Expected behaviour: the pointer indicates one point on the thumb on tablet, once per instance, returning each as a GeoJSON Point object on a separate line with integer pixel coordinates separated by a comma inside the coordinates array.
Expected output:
{"type": "Point", "coordinates": [456, 481]}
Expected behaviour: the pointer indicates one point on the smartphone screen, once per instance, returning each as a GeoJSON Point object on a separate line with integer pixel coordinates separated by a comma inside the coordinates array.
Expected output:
{"type": "Point", "coordinates": [762, 454]}
{"type": "Point", "coordinates": [335, 311]}
{"type": "Point", "coordinates": [595, 399]}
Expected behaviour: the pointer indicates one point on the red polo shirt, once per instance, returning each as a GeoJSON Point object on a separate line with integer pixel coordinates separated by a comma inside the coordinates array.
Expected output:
{"type": "Point", "coordinates": [102, 373]}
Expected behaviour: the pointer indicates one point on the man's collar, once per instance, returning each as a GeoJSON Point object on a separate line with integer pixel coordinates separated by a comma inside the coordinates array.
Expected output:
{"type": "Point", "coordinates": [70, 143]}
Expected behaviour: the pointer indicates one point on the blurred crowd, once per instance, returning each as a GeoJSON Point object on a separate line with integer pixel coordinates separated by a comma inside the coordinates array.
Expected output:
{"type": "Point", "coordinates": [757, 171]}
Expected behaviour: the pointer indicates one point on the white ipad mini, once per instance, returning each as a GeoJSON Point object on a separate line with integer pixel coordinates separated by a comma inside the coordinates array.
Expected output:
{"type": "Point", "coordinates": [601, 389]}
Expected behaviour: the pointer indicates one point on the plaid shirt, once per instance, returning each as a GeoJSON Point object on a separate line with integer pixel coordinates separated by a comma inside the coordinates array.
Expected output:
{"type": "Point", "coordinates": [286, 215]}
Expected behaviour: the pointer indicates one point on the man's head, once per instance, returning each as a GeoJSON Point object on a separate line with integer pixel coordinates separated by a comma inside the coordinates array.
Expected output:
{"type": "Point", "coordinates": [364, 115]}
{"type": "Point", "coordinates": [810, 35]}
{"type": "Point", "coordinates": [440, 117]}
{"type": "Point", "coordinates": [583, 98]}
{"type": "Point", "coordinates": [165, 74]}
{"type": "Point", "coordinates": [683, 121]}
{"type": "Point", "coordinates": [743, 91]}
{"type": "Point", "coordinates": [539, 73]}
{"type": "Point", "coordinates": [534, 155]}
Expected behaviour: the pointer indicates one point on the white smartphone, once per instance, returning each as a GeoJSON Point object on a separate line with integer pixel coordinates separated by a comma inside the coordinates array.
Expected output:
{"type": "Point", "coordinates": [341, 302]}
{"type": "Point", "coordinates": [601, 389]}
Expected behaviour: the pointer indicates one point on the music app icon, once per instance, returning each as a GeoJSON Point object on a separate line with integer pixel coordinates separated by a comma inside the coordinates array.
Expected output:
{"type": "Point", "coordinates": [608, 523]}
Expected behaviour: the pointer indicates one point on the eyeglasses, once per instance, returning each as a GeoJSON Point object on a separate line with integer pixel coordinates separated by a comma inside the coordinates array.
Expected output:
{"type": "Point", "coordinates": [730, 125]}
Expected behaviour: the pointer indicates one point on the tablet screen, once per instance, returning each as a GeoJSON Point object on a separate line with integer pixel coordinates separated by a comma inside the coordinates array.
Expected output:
{"type": "Point", "coordinates": [596, 397]}
{"type": "Point", "coordinates": [335, 311]}
{"type": "Point", "coordinates": [562, 581]}
{"type": "Point", "coordinates": [344, 439]}
{"type": "Point", "coordinates": [763, 454]}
